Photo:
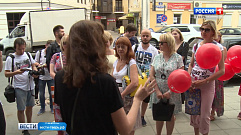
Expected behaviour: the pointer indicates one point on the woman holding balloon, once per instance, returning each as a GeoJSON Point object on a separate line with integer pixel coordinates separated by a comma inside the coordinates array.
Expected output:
{"type": "Point", "coordinates": [203, 78]}
{"type": "Point", "coordinates": [163, 65]}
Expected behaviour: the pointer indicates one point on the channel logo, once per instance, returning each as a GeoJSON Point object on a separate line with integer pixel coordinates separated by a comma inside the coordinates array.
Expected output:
{"type": "Point", "coordinates": [57, 126]}
{"type": "Point", "coordinates": [208, 11]}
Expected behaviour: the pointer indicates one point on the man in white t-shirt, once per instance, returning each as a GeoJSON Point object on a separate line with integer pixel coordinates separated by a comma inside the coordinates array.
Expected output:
{"type": "Point", "coordinates": [145, 54]}
{"type": "Point", "coordinates": [23, 81]}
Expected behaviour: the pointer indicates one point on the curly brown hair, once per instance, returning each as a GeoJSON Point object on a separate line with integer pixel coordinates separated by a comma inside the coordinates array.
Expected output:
{"type": "Point", "coordinates": [85, 53]}
{"type": "Point", "coordinates": [130, 53]}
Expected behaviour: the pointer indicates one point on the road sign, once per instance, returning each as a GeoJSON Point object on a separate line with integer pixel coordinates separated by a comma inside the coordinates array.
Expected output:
{"type": "Point", "coordinates": [161, 18]}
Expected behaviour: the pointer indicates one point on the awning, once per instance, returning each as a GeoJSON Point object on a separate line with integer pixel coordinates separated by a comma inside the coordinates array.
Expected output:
{"type": "Point", "coordinates": [123, 17]}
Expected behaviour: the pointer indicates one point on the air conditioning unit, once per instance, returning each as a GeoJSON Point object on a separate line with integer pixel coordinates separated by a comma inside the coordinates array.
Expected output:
{"type": "Point", "coordinates": [197, 4]}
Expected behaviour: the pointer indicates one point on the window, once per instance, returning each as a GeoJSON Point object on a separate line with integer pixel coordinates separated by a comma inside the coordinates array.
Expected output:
{"type": "Point", "coordinates": [183, 29]}
{"type": "Point", "coordinates": [18, 32]}
{"type": "Point", "coordinates": [222, 31]}
{"type": "Point", "coordinates": [177, 19]}
{"type": "Point", "coordinates": [239, 20]}
{"type": "Point", "coordinates": [193, 20]}
{"type": "Point", "coordinates": [227, 23]}
{"type": "Point", "coordinates": [118, 5]}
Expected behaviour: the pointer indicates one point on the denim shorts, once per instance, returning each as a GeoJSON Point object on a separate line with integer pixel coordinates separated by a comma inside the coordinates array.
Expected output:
{"type": "Point", "coordinates": [24, 98]}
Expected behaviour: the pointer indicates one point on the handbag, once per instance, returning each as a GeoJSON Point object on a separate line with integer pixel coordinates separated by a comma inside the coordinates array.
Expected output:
{"type": "Point", "coordinates": [163, 110]}
{"type": "Point", "coordinates": [142, 77]}
{"type": "Point", "coordinates": [9, 90]}
{"type": "Point", "coordinates": [193, 102]}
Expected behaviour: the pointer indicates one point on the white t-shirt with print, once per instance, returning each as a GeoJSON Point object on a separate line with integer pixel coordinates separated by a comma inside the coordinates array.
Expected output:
{"type": "Point", "coordinates": [144, 58]}
{"type": "Point", "coordinates": [42, 61]}
{"type": "Point", "coordinates": [119, 75]}
{"type": "Point", "coordinates": [24, 80]}
{"type": "Point", "coordinates": [199, 73]}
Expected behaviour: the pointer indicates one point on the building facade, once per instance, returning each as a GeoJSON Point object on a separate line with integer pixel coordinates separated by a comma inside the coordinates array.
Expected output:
{"type": "Point", "coordinates": [181, 12]}
{"type": "Point", "coordinates": [11, 11]}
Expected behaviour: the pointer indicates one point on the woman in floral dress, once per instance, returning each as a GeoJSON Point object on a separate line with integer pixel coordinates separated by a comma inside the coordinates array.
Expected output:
{"type": "Point", "coordinates": [163, 65]}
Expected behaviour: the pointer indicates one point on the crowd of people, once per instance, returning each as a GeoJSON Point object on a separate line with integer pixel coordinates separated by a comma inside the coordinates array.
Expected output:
{"type": "Point", "coordinates": [87, 75]}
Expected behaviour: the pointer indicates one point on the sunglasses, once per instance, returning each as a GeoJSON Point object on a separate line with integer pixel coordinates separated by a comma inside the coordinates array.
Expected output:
{"type": "Point", "coordinates": [204, 29]}
{"type": "Point", "coordinates": [161, 43]}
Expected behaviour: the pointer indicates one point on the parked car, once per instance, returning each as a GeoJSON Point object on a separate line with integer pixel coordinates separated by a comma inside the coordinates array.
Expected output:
{"type": "Point", "coordinates": [228, 41]}
{"type": "Point", "coordinates": [189, 32]}
{"type": "Point", "coordinates": [230, 31]}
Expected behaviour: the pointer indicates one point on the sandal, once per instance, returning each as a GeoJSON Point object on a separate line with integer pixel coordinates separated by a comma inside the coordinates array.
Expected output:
{"type": "Point", "coordinates": [239, 116]}
{"type": "Point", "coordinates": [212, 118]}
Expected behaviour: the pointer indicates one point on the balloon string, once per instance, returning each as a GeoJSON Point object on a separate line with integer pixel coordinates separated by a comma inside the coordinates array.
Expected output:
{"type": "Point", "coordinates": [237, 75]}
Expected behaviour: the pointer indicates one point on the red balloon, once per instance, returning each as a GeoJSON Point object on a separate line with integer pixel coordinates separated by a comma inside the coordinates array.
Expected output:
{"type": "Point", "coordinates": [236, 70]}
{"type": "Point", "coordinates": [208, 56]}
{"type": "Point", "coordinates": [226, 61]}
{"type": "Point", "coordinates": [179, 81]}
{"type": "Point", "coordinates": [234, 56]}
{"type": "Point", "coordinates": [229, 73]}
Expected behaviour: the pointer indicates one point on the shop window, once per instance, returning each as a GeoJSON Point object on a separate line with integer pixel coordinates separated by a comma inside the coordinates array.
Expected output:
{"type": "Point", "coordinates": [227, 23]}
{"type": "Point", "coordinates": [239, 21]}
{"type": "Point", "coordinates": [177, 19]}
{"type": "Point", "coordinates": [193, 20]}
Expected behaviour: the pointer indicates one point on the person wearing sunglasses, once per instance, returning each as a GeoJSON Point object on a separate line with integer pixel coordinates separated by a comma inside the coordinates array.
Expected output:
{"type": "Point", "coordinates": [203, 79]}
{"type": "Point", "coordinates": [163, 65]}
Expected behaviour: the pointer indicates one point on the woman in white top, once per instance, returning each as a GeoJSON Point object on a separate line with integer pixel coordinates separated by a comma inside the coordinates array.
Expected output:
{"type": "Point", "coordinates": [126, 58]}
{"type": "Point", "coordinates": [204, 79]}
{"type": "Point", "coordinates": [110, 53]}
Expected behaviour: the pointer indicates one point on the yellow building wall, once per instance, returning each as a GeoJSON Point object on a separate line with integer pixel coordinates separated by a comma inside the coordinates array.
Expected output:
{"type": "Point", "coordinates": [235, 19]}
{"type": "Point", "coordinates": [186, 16]}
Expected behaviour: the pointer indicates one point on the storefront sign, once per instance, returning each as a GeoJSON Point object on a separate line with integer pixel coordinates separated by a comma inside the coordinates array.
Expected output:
{"type": "Point", "coordinates": [159, 5]}
{"type": "Point", "coordinates": [203, 11]}
{"type": "Point", "coordinates": [97, 17]}
{"type": "Point", "coordinates": [178, 5]}
{"type": "Point", "coordinates": [103, 17]}
{"type": "Point", "coordinates": [236, 6]}
{"type": "Point", "coordinates": [110, 19]}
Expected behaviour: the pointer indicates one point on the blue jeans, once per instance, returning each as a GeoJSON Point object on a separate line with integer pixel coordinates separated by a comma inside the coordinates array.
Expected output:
{"type": "Point", "coordinates": [42, 85]}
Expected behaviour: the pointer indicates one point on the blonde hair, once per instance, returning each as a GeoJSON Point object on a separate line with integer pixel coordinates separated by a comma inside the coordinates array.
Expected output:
{"type": "Point", "coordinates": [212, 24]}
{"type": "Point", "coordinates": [221, 40]}
{"type": "Point", "coordinates": [108, 36]}
{"type": "Point", "coordinates": [170, 41]}
{"type": "Point", "coordinates": [64, 40]}
{"type": "Point", "coordinates": [179, 32]}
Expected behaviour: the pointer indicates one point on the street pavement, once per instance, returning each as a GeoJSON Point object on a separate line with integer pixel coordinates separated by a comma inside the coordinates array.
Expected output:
{"type": "Point", "coordinates": [228, 124]}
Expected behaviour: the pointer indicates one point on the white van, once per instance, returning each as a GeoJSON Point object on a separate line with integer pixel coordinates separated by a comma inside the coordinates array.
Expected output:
{"type": "Point", "coordinates": [36, 27]}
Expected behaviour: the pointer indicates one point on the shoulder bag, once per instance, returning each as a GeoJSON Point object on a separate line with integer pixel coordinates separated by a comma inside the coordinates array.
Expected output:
{"type": "Point", "coordinates": [193, 102]}
{"type": "Point", "coordinates": [163, 110]}
{"type": "Point", "coordinates": [142, 77]}
{"type": "Point", "coordinates": [9, 90]}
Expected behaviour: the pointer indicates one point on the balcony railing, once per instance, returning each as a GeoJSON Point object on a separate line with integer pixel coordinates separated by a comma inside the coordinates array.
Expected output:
{"type": "Point", "coordinates": [105, 9]}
